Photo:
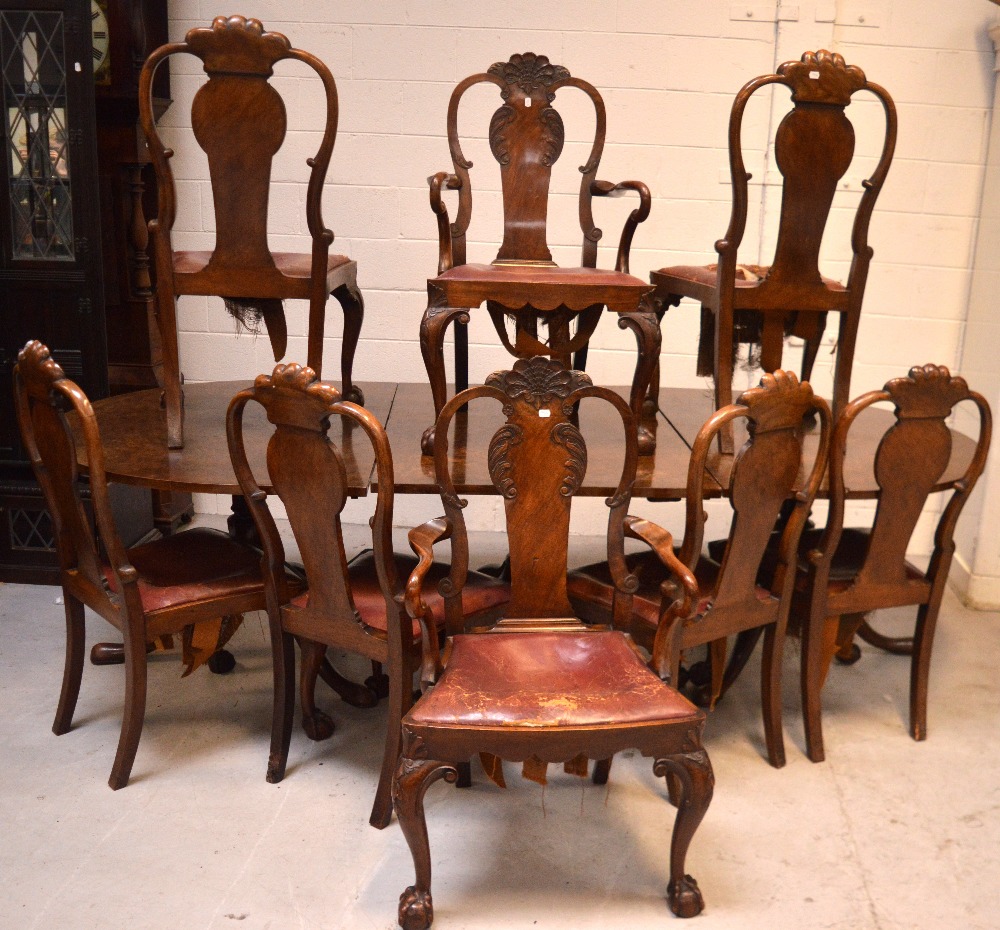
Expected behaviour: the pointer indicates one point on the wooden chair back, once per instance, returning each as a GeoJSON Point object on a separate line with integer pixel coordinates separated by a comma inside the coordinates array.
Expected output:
{"type": "Point", "coordinates": [813, 150]}
{"type": "Point", "coordinates": [767, 472]}
{"type": "Point", "coordinates": [308, 474]}
{"type": "Point", "coordinates": [239, 120]}
{"type": "Point", "coordinates": [909, 462]}
{"type": "Point", "coordinates": [537, 460]}
{"type": "Point", "coordinates": [526, 136]}
{"type": "Point", "coordinates": [45, 398]}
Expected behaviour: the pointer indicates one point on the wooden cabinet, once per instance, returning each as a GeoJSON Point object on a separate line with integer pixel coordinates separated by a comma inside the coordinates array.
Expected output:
{"type": "Point", "coordinates": [72, 266]}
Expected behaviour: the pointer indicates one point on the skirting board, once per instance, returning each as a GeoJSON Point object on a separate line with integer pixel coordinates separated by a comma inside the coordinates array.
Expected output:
{"type": "Point", "coordinates": [980, 592]}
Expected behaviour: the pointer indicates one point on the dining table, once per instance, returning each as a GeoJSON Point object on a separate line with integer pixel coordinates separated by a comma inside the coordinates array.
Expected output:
{"type": "Point", "coordinates": [133, 435]}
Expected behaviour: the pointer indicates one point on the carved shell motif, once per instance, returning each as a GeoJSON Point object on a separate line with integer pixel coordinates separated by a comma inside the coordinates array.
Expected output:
{"type": "Point", "coordinates": [538, 381]}
{"type": "Point", "coordinates": [528, 71]}
{"type": "Point", "coordinates": [930, 391]}
{"type": "Point", "coordinates": [822, 77]}
{"type": "Point", "coordinates": [296, 377]}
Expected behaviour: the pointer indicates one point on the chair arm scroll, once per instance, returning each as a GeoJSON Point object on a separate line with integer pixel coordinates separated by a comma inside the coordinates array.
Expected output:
{"type": "Point", "coordinates": [678, 595]}
{"type": "Point", "coordinates": [637, 216]}
{"type": "Point", "coordinates": [446, 258]}
{"type": "Point", "coordinates": [422, 540]}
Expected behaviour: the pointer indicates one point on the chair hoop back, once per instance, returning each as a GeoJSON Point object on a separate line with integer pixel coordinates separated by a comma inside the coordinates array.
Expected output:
{"type": "Point", "coordinates": [239, 120]}
{"type": "Point", "coordinates": [537, 460]}
{"type": "Point", "coordinates": [813, 149]}
{"type": "Point", "coordinates": [766, 472]}
{"type": "Point", "coordinates": [44, 397]}
{"type": "Point", "coordinates": [308, 474]}
{"type": "Point", "coordinates": [526, 137]}
{"type": "Point", "coordinates": [909, 463]}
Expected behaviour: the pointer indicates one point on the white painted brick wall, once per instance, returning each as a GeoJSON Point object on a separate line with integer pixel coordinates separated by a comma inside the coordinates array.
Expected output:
{"type": "Point", "coordinates": [668, 70]}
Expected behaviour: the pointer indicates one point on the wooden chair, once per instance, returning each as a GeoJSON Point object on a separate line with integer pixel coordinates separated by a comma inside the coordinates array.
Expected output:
{"type": "Point", "coordinates": [146, 592]}
{"type": "Point", "coordinates": [526, 137]}
{"type": "Point", "coordinates": [767, 472]}
{"type": "Point", "coordinates": [239, 120]}
{"type": "Point", "coordinates": [813, 149]}
{"type": "Point", "coordinates": [845, 573]}
{"type": "Point", "coordinates": [346, 606]}
{"type": "Point", "coordinates": [540, 685]}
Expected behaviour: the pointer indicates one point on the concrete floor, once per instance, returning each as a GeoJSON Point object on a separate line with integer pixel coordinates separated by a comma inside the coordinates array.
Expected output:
{"type": "Point", "coordinates": [886, 834]}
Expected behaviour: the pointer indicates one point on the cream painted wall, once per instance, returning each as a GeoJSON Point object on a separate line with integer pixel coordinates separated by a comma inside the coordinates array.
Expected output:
{"type": "Point", "coordinates": [668, 70]}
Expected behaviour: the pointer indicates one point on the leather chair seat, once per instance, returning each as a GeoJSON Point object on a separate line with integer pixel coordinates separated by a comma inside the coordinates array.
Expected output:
{"type": "Point", "coordinates": [482, 593]}
{"type": "Point", "coordinates": [591, 586]}
{"type": "Point", "coordinates": [518, 286]}
{"type": "Point", "coordinates": [747, 276]}
{"type": "Point", "coordinates": [849, 557]}
{"type": "Point", "coordinates": [294, 265]}
{"type": "Point", "coordinates": [544, 680]}
{"type": "Point", "coordinates": [197, 565]}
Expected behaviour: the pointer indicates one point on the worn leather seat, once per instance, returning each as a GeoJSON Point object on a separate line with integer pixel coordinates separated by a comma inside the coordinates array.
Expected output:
{"type": "Point", "coordinates": [563, 680]}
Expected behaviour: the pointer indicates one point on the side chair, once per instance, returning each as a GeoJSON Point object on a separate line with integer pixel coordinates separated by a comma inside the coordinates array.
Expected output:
{"type": "Point", "coordinates": [354, 607]}
{"type": "Point", "coordinates": [540, 686]}
{"type": "Point", "coordinates": [814, 147]}
{"type": "Point", "coordinates": [151, 590]}
{"type": "Point", "coordinates": [845, 573]}
{"type": "Point", "coordinates": [768, 471]}
{"type": "Point", "coordinates": [239, 120]}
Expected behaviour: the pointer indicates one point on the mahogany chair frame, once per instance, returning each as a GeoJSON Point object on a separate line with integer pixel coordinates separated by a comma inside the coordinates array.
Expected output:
{"type": "Point", "coordinates": [814, 147]}
{"type": "Point", "coordinates": [526, 137]}
{"type": "Point", "coordinates": [768, 486]}
{"type": "Point", "coordinates": [239, 120]}
{"type": "Point", "coordinates": [849, 573]}
{"type": "Point", "coordinates": [307, 473]}
{"type": "Point", "coordinates": [211, 575]}
{"type": "Point", "coordinates": [537, 462]}
{"type": "Point", "coordinates": [767, 471]}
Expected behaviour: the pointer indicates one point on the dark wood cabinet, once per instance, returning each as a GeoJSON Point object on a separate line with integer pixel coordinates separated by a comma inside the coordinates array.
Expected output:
{"type": "Point", "coordinates": [73, 271]}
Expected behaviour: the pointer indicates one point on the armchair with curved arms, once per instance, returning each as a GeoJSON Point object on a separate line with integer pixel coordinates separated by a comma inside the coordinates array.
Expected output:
{"type": "Point", "coordinates": [540, 686]}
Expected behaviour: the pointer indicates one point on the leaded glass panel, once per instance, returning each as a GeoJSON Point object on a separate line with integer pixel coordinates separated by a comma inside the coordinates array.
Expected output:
{"type": "Point", "coordinates": [38, 162]}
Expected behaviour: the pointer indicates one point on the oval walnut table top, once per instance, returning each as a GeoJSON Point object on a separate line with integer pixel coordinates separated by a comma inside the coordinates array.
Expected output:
{"type": "Point", "coordinates": [687, 408]}
{"type": "Point", "coordinates": [134, 435]}
{"type": "Point", "coordinates": [660, 476]}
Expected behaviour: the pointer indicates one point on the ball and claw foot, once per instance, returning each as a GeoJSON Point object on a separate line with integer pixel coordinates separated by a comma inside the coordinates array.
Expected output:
{"type": "Point", "coordinates": [355, 395]}
{"type": "Point", "coordinates": [427, 441]}
{"type": "Point", "coordinates": [684, 897]}
{"type": "Point", "coordinates": [416, 910]}
{"type": "Point", "coordinates": [319, 726]}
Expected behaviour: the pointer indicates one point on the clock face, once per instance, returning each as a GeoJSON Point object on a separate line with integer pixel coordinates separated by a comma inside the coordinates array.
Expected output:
{"type": "Point", "coordinates": [101, 41]}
